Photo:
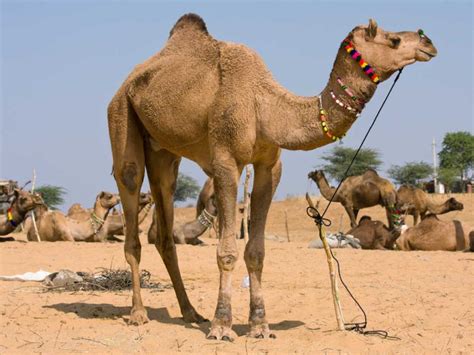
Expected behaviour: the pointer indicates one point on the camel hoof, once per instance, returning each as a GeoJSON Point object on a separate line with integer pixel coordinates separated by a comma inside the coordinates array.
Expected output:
{"type": "Point", "coordinates": [194, 317]}
{"type": "Point", "coordinates": [222, 333]}
{"type": "Point", "coordinates": [138, 317]}
{"type": "Point", "coordinates": [261, 331]}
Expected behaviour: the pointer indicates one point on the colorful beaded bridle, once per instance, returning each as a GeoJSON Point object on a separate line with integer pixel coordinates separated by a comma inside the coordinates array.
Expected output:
{"type": "Point", "coordinates": [10, 217]}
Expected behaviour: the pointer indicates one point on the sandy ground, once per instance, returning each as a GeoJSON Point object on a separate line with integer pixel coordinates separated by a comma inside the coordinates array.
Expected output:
{"type": "Point", "coordinates": [424, 298]}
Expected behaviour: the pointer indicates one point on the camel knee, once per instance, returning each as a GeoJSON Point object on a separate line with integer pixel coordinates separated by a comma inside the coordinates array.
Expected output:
{"type": "Point", "coordinates": [226, 259]}
{"type": "Point", "coordinates": [128, 176]}
{"type": "Point", "coordinates": [254, 258]}
{"type": "Point", "coordinates": [165, 246]}
{"type": "Point", "coordinates": [133, 250]}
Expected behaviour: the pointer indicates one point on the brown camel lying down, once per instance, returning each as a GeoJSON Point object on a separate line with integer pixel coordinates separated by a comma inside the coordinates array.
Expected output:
{"type": "Point", "coordinates": [189, 233]}
{"type": "Point", "coordinates": [434, 234]}
{"type": "Point", "coordinates": [374, 234]}
{"type": "Point", "coordinates": [113, 224]}
{"type": "Point", "coordinates": [22, 202]}
{"type": "Point", "coordinates": [414, 201]}
{"type": "Point", "coordinates": [55, 226]}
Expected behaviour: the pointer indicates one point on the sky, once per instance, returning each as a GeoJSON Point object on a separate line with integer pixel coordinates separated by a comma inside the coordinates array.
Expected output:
{"type": "Point", "coordinates": [62, 62]}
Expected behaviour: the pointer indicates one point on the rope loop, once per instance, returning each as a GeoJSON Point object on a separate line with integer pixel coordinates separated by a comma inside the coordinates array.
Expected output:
{"type": "Point", "coordinates": [318, 218]}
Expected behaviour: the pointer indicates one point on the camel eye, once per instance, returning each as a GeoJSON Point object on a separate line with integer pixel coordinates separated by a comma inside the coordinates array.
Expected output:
{"type": "Point", "coordinates": [395, 42]}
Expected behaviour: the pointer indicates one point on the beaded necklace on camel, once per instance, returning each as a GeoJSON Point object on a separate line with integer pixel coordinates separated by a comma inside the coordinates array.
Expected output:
{"type": "Point", "coordinates": [367, 69]}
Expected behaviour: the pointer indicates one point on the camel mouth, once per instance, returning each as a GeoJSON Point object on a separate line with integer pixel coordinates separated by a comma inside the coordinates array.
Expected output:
{"type": "Point", "coordinates": [424, 55]}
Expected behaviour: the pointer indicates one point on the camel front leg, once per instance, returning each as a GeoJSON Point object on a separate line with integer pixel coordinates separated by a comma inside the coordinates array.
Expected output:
{"type": "Point", "coordinates": [351, 215]}
{"type": "Point", "coordinates": [226, 174]}
{"type": "Point", "coordinates": [265, 182]}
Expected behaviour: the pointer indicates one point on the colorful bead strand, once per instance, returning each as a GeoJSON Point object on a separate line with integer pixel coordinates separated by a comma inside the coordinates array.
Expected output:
{"type": "Point", "coordinates": [324, 122]}
{"type": "Point", "coordinates": [343, 105]}
{"type": "Point", "coordinates": [368, 70]}
{"type": "Point", "coordinates": [350, 93]}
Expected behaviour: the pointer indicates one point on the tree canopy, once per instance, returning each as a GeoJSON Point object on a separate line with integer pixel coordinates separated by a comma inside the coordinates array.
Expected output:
{"type": "Point", "coordinates": [186, 187]}
{"type": "Point", "coordinates": [340, 157]}
{"type": "Point", "coordinates": [410, 173]}
{"type": "Point", "coordinates": [457, 152]}
{"type": "Point", "coordinates": [53, 196]}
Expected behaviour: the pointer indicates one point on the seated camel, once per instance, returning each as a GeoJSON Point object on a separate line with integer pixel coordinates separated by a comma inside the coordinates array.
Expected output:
{"type": "Point", "coordinates": [374, 234]}
{"type": "Point", "coordinates": [357, 192]}
{"type": "Point", "coordinates": [417, 203]}
{"type": "Point", "coordinates": [55, 226]}
{"type": "Point", "coordinates": [433, 234]}
{"type": "Point", "coordinates": [23, 202]}
{"type": "Point", "coordinates": [189, 233]}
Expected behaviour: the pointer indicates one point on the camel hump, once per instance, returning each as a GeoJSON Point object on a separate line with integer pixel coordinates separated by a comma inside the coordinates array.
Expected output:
{"type": "Point", "coordinates": [192, 21]}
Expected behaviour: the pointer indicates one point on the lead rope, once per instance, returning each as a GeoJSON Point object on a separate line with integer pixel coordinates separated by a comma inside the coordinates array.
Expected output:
{"type": "Point", "coordinates": [321, 221]}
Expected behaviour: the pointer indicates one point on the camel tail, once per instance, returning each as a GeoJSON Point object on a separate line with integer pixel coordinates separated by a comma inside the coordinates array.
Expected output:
{"type": "Point", "coordinates": [189, 21]}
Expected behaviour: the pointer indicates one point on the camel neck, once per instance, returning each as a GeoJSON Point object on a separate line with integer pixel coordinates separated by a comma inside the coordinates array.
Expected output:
{"type": "Point", "coordinates": [436, 208]}
{"type": "Point", "coordinates": [299, 125]}
{"type": "Point", "coordinates": [326, 190]}
{"type": "Point", "coordinates": [100, 211]}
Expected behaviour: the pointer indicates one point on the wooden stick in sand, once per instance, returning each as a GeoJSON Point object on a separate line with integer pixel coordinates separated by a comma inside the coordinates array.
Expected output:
{"type": "Point", "coordinates": [332, 272]}
{"type": "Point", "coordinates": [33, 218]}
{"type": "Point", "coordinates": [246, 204]}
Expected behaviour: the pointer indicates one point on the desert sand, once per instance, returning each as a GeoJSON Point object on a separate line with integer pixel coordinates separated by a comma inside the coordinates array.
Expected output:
{"type": "Point", "coordinates": [424, 298]}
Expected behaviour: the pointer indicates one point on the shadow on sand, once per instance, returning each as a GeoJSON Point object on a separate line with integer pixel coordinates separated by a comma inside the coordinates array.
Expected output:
{"type": "Point", "coordinates": [108, 311]}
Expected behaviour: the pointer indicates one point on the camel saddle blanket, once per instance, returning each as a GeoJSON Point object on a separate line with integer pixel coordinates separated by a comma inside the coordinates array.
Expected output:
{"type": "Point", "coordinates": [337, 240]}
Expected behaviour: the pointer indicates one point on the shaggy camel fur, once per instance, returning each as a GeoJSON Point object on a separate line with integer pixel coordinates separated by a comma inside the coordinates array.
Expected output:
{"type": "Point", "coordinates": [434, 234]}
{"type": "Point", "coordinates": [55, 226]}
{"type": "Point", "coordinates": [357, 192]}
{"type": "Point", "coordinates": [414, 201]}
{"type": "Point", "coordinates": [189, 233]}
{"type": "Point", "coordinates": [22, 202]}
{"type": "Point", "coordinates": [374, 234]}
{"type": "Point", "coordinates": [216, 103]}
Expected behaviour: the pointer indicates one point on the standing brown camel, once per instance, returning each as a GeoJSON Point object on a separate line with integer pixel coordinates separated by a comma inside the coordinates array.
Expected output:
{"type": "Point", "coordinates": [216, 103]}
{"type": "Point", "coordinates": [414, 201]}
{"type": "Point", "coordinates": [55, 226]}
{"type": "Point", "coordinates": [357, 192]}
{"type": "Point", "coordinates": [374, 234]}
{"type": "Point", "coordinates": [433, 234]}
{"type": "Point", "coordinates": [22, 202]}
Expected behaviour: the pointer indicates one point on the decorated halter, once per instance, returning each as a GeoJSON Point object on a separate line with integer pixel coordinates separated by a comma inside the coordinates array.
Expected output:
{"type": "Point", "coordinates": [10, 217]}
{"type": "Point", "coordinates": [368, 70]}
{"type": "Point", "coordinates": [323, 117]}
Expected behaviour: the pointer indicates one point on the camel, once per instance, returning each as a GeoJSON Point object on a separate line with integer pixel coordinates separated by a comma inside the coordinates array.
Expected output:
{"type": "Point", "coordinates": [433, 234]}
{"type": "Point", "coordinates": [374, 234]}
{"type": "Point", "coordinates": [215, 103]}
{"type": "Point", "coordinates": [55, 226]}
{"type": "Point", "coordinates": [189, 233]}
{"type": "Point", "coordinates": [113, 224]}
{"type": "Point", "coordinates": [414, 201]}
{"type": "Point", "coordinates": [23, 202]}
{"type": "Point", "coordinates": [357, 192]}
{"type": "Point", "coordinates": [206, 193]}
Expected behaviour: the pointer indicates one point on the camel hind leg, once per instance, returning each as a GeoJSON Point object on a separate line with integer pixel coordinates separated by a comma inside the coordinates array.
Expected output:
{"type": "Point", "coordinates": [129, 167]}
{"type": "Point", "coordinates": [162, 170]}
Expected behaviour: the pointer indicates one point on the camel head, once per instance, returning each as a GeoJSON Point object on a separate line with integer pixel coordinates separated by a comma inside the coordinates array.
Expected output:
{"type": "Point", "coordinates": [26, 201]}
{"type": "Point", "coordinates": [316, 175]}
{"type": "Point", "coordinates": [107, 200]}
{"type": "Point", "coordinates": [454, 205]}
{"type": "Point", "coordinates": [387, 51]}
{"type": "Point", "coordinates": [145, 198]}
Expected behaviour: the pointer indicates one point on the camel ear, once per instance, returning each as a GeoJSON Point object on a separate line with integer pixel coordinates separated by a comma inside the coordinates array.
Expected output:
{"type": "Point", "coordinates": [371, 30]}
{"type": "Point", "coordinates": [102, 194]}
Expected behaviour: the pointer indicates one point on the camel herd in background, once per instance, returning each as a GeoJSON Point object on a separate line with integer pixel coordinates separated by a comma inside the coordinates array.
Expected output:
{"type": "Point", "coordinates": [103, 222]}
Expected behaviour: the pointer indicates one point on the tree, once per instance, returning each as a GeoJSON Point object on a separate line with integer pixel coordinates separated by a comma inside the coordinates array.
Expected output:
{"type": "Point", "coordinates": [340, 157]}
{"type": "Point", "coordinates": [410, 173]}
{"type": "Point", "coordinates": [448, 178]}
{"type": "Point", "coordinates": [457, 153]}
{"type": "Point", "coordinates": [186, 187]}
{"type": "Point", "coordinates": [53, 196]}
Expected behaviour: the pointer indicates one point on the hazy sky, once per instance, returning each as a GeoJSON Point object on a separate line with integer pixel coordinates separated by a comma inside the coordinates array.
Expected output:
{"type": "Point", "coordinates": [62, 61]}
